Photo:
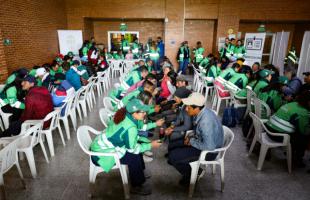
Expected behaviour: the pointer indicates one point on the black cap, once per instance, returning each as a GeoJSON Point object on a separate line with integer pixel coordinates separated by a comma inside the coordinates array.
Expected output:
{"type": "Point", "coordinates": [306, 73]}
{"type": "Point", "coordinates": [182, 92]}
{"type": "Point", "coordinates": [76, 62]}
{"type": "Point", "coordinates": [30, 79]}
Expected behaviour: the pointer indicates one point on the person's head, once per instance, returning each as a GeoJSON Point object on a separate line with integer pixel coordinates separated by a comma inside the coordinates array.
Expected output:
{"type": "Point", "coordinates": [28, 82]}
{"type": "Point", "coordinates": [194, 103]}
{"type": "Point", "coordinates": [59, 60]}
{"type": "Point", "coordinates": [232, 40]}
{"type": "Point", "coordinates": [166, 70]}
{"type": "Point", "coordinates": [256, 67]}
{"type": "Point", "coordinates": [245, 69]}
{"type": "Point", "coordinates": [40, 72]}
{"type": "Point", "coordinates": [146, 97]}
{"type": "Point", "coordinates": [236, 67]}
{"type": "Point", "coordinates": [181, 81]}
{"type": "Point", "coordinates": [54, 66]}
{"type": "Point", "coordinates": [150, 63]}
{"type": "Point", "coordinates": [226, 41]}
{"type": "Point", "coordinates": [303, 99]}
{"type": "Point", "coordinates": [148, 86]}
{"type": "Point", "coordinates": [180, 94]}
{"type": "Point", "coordinates": [141, 63]}
{"type": "Point", "coordinates": [159, 39]}
{"type": "Point", "coordinates": [122, 37]}
{"type": "Point", "coordinates": [289, 71]}
{"type": "Point", "coordinates": [172, 77]}
{"type": "Point", "coordinates": [266, 74]}
{"type": "Point", "coordinates": [239, 42]}
{"type": "Point", "coordinates": [199, 44]}
{"type": "Point", "coordinates": [92, 39]}
{"type": "Point", "coordinates": [119, 52]}
{"type": "Point", "coordinates": [306, 77]}
{"type": "Point", "coordinates": [185, 43]}
{"type": "Point", "coordinates": [151, 77]}
{"type": "Point", "coordinates": [70, 54]}
{"type": "Point", "coordinates": [135, 108]}
{"type": "Point", "coordinates": [240, 61]}
{"type": "Point", "coordinates": [76, 63]}
{"type": "Point", "coordinates": [144, 71]}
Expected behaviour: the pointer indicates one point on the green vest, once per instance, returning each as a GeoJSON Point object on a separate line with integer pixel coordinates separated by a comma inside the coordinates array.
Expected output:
{"type": "Point", "coordinates": [204, 63]}
{"type": "Point", "coordinates": [125, 45]}
{"type": "Point", "coordinates": [260, 85]}
{"type": "Point", "coordinates": [181, 55]}
{"type": "Point", "coordinates": [272, 98]}
{"type": "Point", "coordinates": [290, 118]}
{"type": "Point", "coordinates": [59, 70]}
{"type": "Point", "coordinates": [240, 80]}
{"type": "Point", "coordinates": [154, 54]}
{"type": "Point", "coordinates": [199, 54]}
{"type": "Point", "coordinates": [119, 138]}
{"type": "Point", "coordinates": [133, 78]}
{"type": "Point", "coordinates": [227, 73]}
{"type": "Point", "coordinates": [239, 51]}
{"type": "Point", "coordinates": [135, 48]}
{"type": "Point", "coordinates": [10, 97]}
{"type": "Point", "coordinates": [118, 57]}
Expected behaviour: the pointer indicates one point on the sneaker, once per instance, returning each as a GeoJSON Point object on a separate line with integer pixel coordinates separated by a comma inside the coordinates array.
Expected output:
{"type": "Point", "coordinates": [141, 190]}
{"type": "Point", "coordinates": [147, 174]}
{"type": "Point", "coordinates": [148, 153]}
{"type": "Point", "coordinates": [147, 159]}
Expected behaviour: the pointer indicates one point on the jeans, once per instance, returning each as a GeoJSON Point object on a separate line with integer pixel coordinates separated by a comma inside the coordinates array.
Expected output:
{"type": "Point", "coordinates": [183, 65]}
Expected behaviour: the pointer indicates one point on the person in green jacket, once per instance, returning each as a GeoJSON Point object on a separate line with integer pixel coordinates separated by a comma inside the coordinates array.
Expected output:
{"type": "Point", "coordinates": [183, 57]}
{"type": "Point", "coordinates": [241, 78]}
{"type": "Point", "coordinates": [119, 55]}
{"type": "Point", "coordinates": [212, 72]}
{"type": "Point", "coordinates": [121, 136]}
{"type": "Point", "coordinates": [154, 55]}
{"type": "Point", "coordinates": [198, 53]}
{"type": "Point", "coordinates": [124, 45]}
{"type": "Point", "coordinates": [265, 77]}
{"type": "Point", "coordinates": [135, 49]}
{"type": "Point", "coordinates": [12, 95]}
{"type": "Point", "coordinates": [230, 71]}
{"type": "Point", "coordinates": [293, 119]}
{"type": "Point", "coordinates": [239, 50]}
{"type": "Point", "coordinates": [136, 76]}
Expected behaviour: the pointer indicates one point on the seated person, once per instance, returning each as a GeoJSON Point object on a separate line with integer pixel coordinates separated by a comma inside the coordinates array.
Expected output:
{"type": "Point", "coordinates": [208, 135]}
{"type": "Point", "coordinates": [55, 68]}
{"type": "Point", "coordinates": [43, 78]}
{"type": "Point", "coordinates": [211, 72]}
{"type": "Point", "coordinates": [230, 71]}
{"type": "Point", "coordinates": [73, 76]}
{"type": "Point", "coordinates": [293, 85]}
{"type": "Point", "coordinates": [149, 77]}
{"type": "Point", "coordinates": [182, 122]}
{"type": "Point", "coordinates": [293, 119]}
{"type": "Point", "coordinates": [241, 78]}
{"type": "Point", "coordinates": [122, 134]}
{"type": "Point", "coordinates": [38, 103]}
{"type": "Point", "coordinates": [119, 55]}
{"type": "Point", "coordinates": [61, 94]}
{"type": "Point", "coordinates": [165, 93]}
{"type": "Point", "coordinates": [136, 76]}
{"type": "Point", "coordinates": [102, 63]}
{"type": "Point", "coordinates": [12, 95]}
{"type": "Point", "coordinates": [129, 55]}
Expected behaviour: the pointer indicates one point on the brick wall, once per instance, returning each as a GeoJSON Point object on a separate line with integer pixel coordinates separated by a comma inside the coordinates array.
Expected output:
{"type": "Point", "coordinates": [3, 66]}
{"type": "Point", "coordinates": [32, 28]}
{"type": "Point", "coordinates": [146, 29]}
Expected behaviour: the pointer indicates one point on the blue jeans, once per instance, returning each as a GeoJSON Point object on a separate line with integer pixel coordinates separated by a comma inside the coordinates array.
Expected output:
{"type": "Point", "coordinates": [183, 65]}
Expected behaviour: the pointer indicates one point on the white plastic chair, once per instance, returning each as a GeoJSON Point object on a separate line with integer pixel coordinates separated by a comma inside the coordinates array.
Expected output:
{"type": "Point", "coordinates": [9, 158]}
{"type": "Point", "coordinates": [68, 113]}
{"type": "Point", "coordinates": [28, 140]}
{"type": "Point", "coordinates": [4, 120]}
{"type": "Point", "coordinates": [105, 116]}
{"type": "Point", "coordinates": [228, 139]}
{"type": "Point", "coordinates": [218, 99]}
{"type": "Point", "coordinates": [250, 95]}
{"type": "Point", "coordinates": [108, 104]}
{"type": "Point", "coordinates": [85, 140]}
{"type": "Point", "coordinates": [116, 67]}
{"type": "Point", "coordinates": [266, 143]}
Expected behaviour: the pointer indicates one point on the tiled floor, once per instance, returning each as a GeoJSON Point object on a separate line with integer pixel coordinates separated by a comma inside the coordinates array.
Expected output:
{"type": "Point", "coordinates": [66, 176]}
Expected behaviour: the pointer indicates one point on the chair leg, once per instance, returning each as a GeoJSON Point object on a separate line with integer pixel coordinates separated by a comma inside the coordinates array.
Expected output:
{"type": "Point", "coordinates": [289, 157]}
{"type": "Point", "coordinates": [194, 173]}
{"type": "Point", "coordinates": [79, 111]}
{"type": "Point", "coordinates": [61, 135]}
{"type": "Point", "coordinates": [31, 162]}
{"type": "Point", "coordinates": [73, 119]}
{"type": "Point", "coordinates": [84, 109]}
{"type": "Point", "coordinates": [262, 155]}
{"type": "Point", "coordinates": [252, 145]}
{"type": "Point", "coordinates": [21, 175]}
{"type": "Point", "coordinates": [44, 151]}
{"type": "Point", "coordinates": [49, 138]}
{"type": "Point", "coordinates": [124, 176]}
{"type": "Point", "coordinates": [218, 105]}
{"type": "Point", "coordinates": [66, 124]}
{"type": "Point", "coordinates": [222, 176]}
{"type": "Point", "coordinates": [213, 169]}
{"type": "Point", "coordinates": [2, 192]}
{"type": "Point", "coordinates": [250, 131]}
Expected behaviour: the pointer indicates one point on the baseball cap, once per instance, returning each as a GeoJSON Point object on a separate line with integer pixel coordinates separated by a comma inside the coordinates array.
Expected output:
{"type": "Point", "coordinates": [136, 105]}
{"type": "Point", "coordinates": [40, 71]}
{"type": "Point", "coordinates": [283, 79]}
{"type": "Point", "coordinates": [182, 92]}
{"type": "Point", "coordinates": [70, 54]}
{"type": "Point", "coordinates": [30, 79]}
{"type": "Point", "coordinates": [181, 78]}
{"type": "Point", "coordinates": [306, 73]}
{"type": "Point", "coordinates": [265, 72]}
{"type": "Point", "coordinates": [195, 99]}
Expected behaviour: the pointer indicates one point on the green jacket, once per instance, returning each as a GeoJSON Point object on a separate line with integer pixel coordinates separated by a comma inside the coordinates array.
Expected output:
{"type": "Point", "coordinates": [290, 118]}
{"type": "Point", "coordinates": [59, 70]}
{"type": "Point", "coordinates": [10, 97]}
{"type": "Point", "coordinates": [204, 63]}
{"type": "Point", "coordinates": [182, 52]}
{"type": "Point", "coordinates": [85, 51]}
{"type": "Point", "coordinates": [239, 51]}
{"type": "Point", "coordinates": [199, 54]}
{"type": "Point", "coordinates": [120, 138]}
{"type": "Point", "coordinates": [273, 99]}
{"type": "Point", "coordinates": [227, 73]}
{"type": "Point", "coordinates": [227, 50]}
{"type": "Point", "coordinates": [240, 80]}
{"type": "Point", "coordinates": [135, 48]}
{"type": "Point", "coordinates": [118, 57]}
{"type": "Point", "coordinates": [256, 87]}
{"type": "Point", "coordinates": [133, 78]}
{"type": "Point", "coordinates": [154, 54]}
{"type": "Point", "coordinates": [125, 45]}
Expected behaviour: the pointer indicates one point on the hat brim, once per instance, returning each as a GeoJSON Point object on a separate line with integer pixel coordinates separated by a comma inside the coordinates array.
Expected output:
{"type": "Point", "coordinates": [187, 101]}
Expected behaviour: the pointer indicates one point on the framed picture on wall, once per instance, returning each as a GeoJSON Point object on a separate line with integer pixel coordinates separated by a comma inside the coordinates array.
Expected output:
{"type": "Point", "coordinates": [115, 38]}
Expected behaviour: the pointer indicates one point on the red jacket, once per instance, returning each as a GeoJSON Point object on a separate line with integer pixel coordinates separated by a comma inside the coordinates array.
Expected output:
{"type": "Point", "coordinates": [164, 86]}
{"type": "Point", "coordinates": [38, 103]}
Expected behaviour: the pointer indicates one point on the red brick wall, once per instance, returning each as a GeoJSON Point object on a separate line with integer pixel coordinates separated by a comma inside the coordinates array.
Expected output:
{"type": "Point", "coordinates": [3, 66]}
{"type": "Point", "coordinates": [146, 29]}
{"type": "Point", "coordinates": [32, 27]}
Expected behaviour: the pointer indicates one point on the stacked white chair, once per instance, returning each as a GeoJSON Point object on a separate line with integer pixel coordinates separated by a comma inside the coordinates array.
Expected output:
{"type": "Point", "coordinates": [4, 120]}
{"type": "Point", "coordinates": [68, 113]}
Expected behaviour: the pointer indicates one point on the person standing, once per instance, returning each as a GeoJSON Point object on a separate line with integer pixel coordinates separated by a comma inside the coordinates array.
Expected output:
{"type": "Point", "coordinates": [198, 53]}
{"type": "Point", "coordinates": [161, 46]}
{"type": "Point", "coordinates": [183, 57]}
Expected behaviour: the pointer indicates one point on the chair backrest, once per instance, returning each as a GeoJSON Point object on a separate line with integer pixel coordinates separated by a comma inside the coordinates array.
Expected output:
{"type": "Point", "coordinates": [250, 94]}
{"type": "Point", "coordinates": [53, 117]}
{"type": "Point", "coordinates": [105, 116]}
{"type": "Point", "coordinates": [259, 107]}
{"type": "Point", "coordinates": [8, 156]}
{"type": "Point", "coordinates": [68, 105]}
{"type": "Point", "coordinates": [258, 128]}
{"type": "Point", "coordinates": [108, 103]}
{"type": "Point", "coordinates": [34, 132]}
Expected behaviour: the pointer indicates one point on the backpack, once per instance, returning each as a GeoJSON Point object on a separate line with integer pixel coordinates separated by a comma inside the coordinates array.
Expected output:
{"type": "Point", "coordinates": [229, 117]}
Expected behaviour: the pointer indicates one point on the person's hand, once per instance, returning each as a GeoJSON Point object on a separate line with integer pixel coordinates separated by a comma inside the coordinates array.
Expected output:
{"type": "Point", "coordinates": [157, 108]}
{"type": "Point", "coordinates": [186, 141]}
{"type": "Point", "coordinates": [168, 131]}
{"type": "Point", "coordinates": [156, 90]}
{"type": "Point", "coordinates": [160, 122]}
{"type": "Point", "coordinates": [155, 144]}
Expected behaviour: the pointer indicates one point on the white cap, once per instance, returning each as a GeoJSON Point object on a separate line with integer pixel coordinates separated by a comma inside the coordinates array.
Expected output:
{"type": "Point", "coordinates": [40, 71]}
{"type": "Point", "coordinates": [195, 99]}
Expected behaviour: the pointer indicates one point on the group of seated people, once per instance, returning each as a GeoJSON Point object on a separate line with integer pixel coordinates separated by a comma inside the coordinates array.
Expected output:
{"type": "Point", "coordinates": [147, 101]}
{"type": "Point", "coordinates": [287, 97]}
{"type": "Point", "coordinates": [31, 95]}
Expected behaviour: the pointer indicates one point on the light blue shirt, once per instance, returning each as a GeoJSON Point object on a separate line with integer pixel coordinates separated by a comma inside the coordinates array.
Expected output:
{"type": "Point", "coordinates": [209, 133]}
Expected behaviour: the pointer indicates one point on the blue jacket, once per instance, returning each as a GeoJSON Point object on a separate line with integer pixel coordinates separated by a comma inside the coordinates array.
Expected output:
{"type": "Point", "coordinates": [74, 79]}
{"type": "Point", "coordinates": [183, 121]}
{"type": "Point", "coordinates": [161, 47]}
{"type": "Point", "coordinates": [209, 133]}
{"type": "Point", "coordinates": [293, 87]}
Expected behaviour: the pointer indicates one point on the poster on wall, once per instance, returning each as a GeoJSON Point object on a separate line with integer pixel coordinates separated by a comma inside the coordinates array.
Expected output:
{"type": "Point", "coordinates": [254, 45]}
{"type": "Point", "coordinates": [70, 40]}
